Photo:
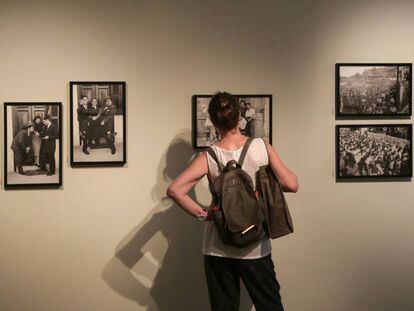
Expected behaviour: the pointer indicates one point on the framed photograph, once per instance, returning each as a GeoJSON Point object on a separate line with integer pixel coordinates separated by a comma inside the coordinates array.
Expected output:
{"type": "Point", "coordinates": [255, 119]}
{"type": "Point", "coordinates": [32, 145]}
{"type": "Point", "coordinates": [373, 90]}
{"type": "Point", "coordinates": [373, 150]}
{"type": "Point", "coordinates": [97, 124]}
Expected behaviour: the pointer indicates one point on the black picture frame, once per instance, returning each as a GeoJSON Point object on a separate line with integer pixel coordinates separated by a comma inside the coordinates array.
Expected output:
{"type": "Point", "coordinates": [194, 121]}
{"type": "Point", "coordinates": [346, 115]}
{"type": "Point", "coordinates": [340, 177]}
{"type": "Point", "coordinates": [121, 110]}
{"type": "Point", "coordinates": [7, 145]}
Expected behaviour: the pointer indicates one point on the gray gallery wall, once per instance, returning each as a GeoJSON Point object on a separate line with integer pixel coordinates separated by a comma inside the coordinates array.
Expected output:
{"type": "Point", "coordinates": [109, 240]}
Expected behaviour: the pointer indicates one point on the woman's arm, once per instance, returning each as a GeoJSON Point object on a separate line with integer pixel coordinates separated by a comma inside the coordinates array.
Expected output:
{"type": "Point", "coordinates": [287, 178]}
{"type": "Point", "coordinates": [179, 188]}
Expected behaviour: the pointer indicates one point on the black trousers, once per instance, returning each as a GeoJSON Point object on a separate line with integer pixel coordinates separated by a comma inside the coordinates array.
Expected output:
{"type": "Point", "coordinates": [18, 160]}
{"type": "Point", "coordinates": [258, 275]}
{"type": "Point", "coordinates": [48, 158]}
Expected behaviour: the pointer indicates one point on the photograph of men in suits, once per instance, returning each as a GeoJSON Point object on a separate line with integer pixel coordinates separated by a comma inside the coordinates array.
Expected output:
{"type": "Point", "coordinates": [48, 149]}
{"type": "Point", "coordinates": [33, 154]}
{"type": "Point", "coordinates": [97, 123]}
{"type": "Point", "coordinates": [22, 145]}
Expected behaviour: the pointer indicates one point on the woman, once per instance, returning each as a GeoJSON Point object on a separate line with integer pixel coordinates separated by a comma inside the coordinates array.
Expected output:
{"type": "Point", "coordinates": [224, 265]}
{"type": "Point", "coordinates": [37, 140]}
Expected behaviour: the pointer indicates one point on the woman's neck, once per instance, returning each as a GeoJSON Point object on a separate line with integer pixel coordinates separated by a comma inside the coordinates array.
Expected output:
{"type": "Point", "coordinates": [230, 135]}
{"type": "Point", "coordinates": [231, 140]}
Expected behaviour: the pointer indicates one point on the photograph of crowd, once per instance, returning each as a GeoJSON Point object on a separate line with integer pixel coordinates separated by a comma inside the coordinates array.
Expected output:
{"type": "Point", "coordinates": [97, 124]}
{"type": "Point", "coordinates": [374, 150]}
{"type": "Point", "coordinates": [255, 119]}
{"type": "Point", "coordinates": [369, 89]}
{"type": "Point", "coordinates": [33, 145]}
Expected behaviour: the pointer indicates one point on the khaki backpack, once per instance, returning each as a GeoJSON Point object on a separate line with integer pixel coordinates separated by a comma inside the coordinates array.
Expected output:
{"type": "Point", "coordinates": [238, 216]}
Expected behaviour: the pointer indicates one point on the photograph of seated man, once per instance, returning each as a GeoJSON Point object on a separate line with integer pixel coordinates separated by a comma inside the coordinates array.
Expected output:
{"type": "Point", "coordinates": [97, 123]}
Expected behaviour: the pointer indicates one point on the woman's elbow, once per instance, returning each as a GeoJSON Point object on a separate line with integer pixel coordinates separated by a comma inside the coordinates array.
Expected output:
{"type": "Point", "coordinates": [171, 192]}
{"type": "Point", "coordinates": [294, 188]}
{"type": "Point", "coordinates": [292, 185]}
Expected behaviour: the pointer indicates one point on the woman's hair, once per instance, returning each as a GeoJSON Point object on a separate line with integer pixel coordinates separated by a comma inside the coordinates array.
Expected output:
{"type": "Point", "coordinates": [224, 110]}
{"type": "Point", "coordinates": [37, 117]}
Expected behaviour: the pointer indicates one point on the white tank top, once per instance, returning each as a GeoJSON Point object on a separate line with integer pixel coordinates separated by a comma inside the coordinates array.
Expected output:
{"type": "Point", "coordinates": [212, 245]}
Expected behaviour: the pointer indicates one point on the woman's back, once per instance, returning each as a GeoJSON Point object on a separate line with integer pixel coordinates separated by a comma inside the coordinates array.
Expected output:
{"type": "Point", "coordinates": [256, 156]}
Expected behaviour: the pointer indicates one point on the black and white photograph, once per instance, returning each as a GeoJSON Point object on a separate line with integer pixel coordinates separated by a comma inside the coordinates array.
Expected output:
{"type": "Point", "coordinates": [32, 145]}
{"type": "Point", "coordinates": [98, 124]}
{"type": "Point", "coordinates": [380, 150]}
{"type": "Point", "coordinates": [373, 90]}
{"type": "Point", "coordinates": [255, 119]}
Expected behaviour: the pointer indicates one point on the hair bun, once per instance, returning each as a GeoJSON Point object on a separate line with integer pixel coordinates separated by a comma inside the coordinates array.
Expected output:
{"type": "Point", "coordinates": [224, 104]}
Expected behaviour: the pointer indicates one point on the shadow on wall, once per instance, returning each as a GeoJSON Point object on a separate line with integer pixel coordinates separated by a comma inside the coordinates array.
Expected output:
{"type": "Point", "coordinates": [159, 263]}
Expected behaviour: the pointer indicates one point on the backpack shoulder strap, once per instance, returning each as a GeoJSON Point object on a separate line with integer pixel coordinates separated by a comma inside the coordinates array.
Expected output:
{"type": "Point", "coordinates": [214, 156]}
{"type": "Point", "coordinates": [244, 151]}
